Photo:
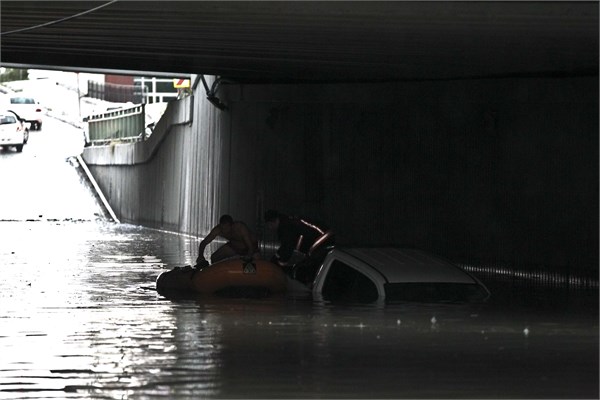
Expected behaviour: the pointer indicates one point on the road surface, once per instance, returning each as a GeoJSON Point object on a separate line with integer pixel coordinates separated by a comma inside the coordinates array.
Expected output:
{"type": "Point", "coordinates": [41, 183]}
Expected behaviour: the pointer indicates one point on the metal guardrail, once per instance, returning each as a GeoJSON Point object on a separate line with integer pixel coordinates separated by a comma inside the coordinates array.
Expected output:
{"type": "Point", "coordinates": [177, 113]}
{"type": "Point", "coordinates": [126, 124]}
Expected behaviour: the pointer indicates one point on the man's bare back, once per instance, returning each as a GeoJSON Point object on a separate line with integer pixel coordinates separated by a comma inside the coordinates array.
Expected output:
{"type": "Point", "coordinates": [241, 241]}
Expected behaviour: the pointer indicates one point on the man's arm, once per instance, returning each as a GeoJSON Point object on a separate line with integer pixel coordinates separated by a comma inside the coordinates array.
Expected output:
{"type": "Point", "coordinates": [209, 238]}
{"type": "Point", "coordinates": [288, 243]}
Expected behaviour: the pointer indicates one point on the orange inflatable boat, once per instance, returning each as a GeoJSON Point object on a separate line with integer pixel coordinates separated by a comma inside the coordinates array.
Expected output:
{"type": "Point", "coordinates": [227, 277]}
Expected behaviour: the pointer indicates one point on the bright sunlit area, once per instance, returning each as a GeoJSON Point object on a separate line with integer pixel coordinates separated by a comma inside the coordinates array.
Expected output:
{"type": "Point", "coordinates": [47, 115]}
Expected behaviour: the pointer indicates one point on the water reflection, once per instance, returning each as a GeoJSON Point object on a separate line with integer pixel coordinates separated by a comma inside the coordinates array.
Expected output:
{"type": "Point", "coordinates": [80, 319]}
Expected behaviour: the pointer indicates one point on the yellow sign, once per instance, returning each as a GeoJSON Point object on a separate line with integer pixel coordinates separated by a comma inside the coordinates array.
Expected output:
{"type": "Point", "coordinates": [181, 83]}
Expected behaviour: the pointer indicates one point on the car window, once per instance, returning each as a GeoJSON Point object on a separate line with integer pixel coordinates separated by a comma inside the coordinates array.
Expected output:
{"type": "Point", "coordinates": [434, 292]}
{"type": "Point", "coordinates": [344, 283]}
{"type": "Point", "coordinates": [21, 100]}
{"type": "Point", "coordinates": [7, 119]}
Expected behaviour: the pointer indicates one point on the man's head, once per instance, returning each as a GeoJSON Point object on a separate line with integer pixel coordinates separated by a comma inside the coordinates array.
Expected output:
{"type": "Point", "coordinates": [272, 219]}
{"type": "Point", "coordinates": [226, 221]}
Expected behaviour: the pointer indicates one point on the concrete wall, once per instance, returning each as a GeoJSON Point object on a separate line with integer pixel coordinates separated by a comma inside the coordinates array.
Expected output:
{"type": "Point", "coordinates": [492, 171]}
{"type": "Point", "coordinates": [479, 171]}
{"type": "Point", "coordinates": [171, 180]}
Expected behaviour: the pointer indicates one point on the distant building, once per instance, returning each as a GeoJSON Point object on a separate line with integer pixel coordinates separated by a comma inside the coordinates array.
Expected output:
{"type": "Point", "coordinates": [137, 90]}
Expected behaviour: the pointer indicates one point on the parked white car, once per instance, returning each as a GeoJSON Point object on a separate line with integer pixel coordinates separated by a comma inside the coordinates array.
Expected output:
{"type": "Point", "coordinates": [13, 131]}
{"type": "Point", "coordinates": [369, 275]}
{"type": "Point", "coordinates": [28, 109]}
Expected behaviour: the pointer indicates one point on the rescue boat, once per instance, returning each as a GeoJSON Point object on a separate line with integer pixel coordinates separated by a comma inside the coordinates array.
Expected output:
{"type": "Point", "coordinates": [229, 277]}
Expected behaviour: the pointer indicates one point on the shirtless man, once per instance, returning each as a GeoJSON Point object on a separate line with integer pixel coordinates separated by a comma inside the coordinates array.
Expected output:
{"type": "Point", "coordinates": [241, 242]}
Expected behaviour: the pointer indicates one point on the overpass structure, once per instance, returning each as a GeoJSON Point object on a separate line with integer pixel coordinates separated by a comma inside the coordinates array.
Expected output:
{"type": "Point", "coordinates": [469, 129]}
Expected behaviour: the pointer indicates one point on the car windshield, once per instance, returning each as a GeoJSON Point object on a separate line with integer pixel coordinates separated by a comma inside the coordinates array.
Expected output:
{"type": "Point", "coordinates": [7, 119]}
{"type": "Point", "coordinates": [21, 100]}
{"type": "Point", "coordinates": [346, 284]}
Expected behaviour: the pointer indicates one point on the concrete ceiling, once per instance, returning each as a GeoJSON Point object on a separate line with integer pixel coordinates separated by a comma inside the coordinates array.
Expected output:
{"type": "Point", "coordinates": [305, 41]}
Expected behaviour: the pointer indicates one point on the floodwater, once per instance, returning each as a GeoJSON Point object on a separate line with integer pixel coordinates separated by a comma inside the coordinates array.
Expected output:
{"type": "Point", "coordinates": [79, 318]}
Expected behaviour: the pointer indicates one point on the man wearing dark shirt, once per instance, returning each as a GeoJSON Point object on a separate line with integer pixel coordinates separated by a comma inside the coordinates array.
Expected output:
{"type": "Point", "coordinates": [298, 235]}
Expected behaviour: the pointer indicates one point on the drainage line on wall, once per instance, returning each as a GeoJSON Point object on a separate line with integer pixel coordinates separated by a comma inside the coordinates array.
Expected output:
{"type": "Point", "coordinates": [97, 189]}
{"type": "Point", "coordinates": [211, 93]}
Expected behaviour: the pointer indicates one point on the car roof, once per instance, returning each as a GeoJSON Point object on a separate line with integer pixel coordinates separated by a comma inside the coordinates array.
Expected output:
{"type": "Point", "coordinates": [409, 265]}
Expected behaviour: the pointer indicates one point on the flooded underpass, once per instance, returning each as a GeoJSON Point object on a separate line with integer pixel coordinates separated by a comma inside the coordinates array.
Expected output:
{"type": "Point", "coordinates": [79, 318]}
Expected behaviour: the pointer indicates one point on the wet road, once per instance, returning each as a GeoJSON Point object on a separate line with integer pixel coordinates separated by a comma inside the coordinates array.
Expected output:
{"type": "Point", "coordinates": [79, 318]}
{"type": "Point", "coordinates": [39, 183]}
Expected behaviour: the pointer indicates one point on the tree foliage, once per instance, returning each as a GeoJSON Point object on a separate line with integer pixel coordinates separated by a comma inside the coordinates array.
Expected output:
{"type": "Point", "coordinates": [14, 74]}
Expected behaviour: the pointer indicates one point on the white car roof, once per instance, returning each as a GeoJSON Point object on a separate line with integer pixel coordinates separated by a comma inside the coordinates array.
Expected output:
{"type": "Point", "coordinates": [408, 265]}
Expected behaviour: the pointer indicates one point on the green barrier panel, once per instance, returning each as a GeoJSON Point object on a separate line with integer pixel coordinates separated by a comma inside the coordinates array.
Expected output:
{"type": "Point", "coordinates": [122, 124]}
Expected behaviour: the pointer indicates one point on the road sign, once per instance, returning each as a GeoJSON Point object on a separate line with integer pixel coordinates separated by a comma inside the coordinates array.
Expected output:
{"type": "Point", "coordinates": [181, 83]}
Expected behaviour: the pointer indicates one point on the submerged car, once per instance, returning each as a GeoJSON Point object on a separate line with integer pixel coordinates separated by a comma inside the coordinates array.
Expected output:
{"type": "Point", "coordinates": [368, 275]}
{"type": "Point", "coordinates": [27, 108]}
{"type": "Point", "coordinates": [13, 131]}
{"type": "Point", "coordinates": [343, 275]}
